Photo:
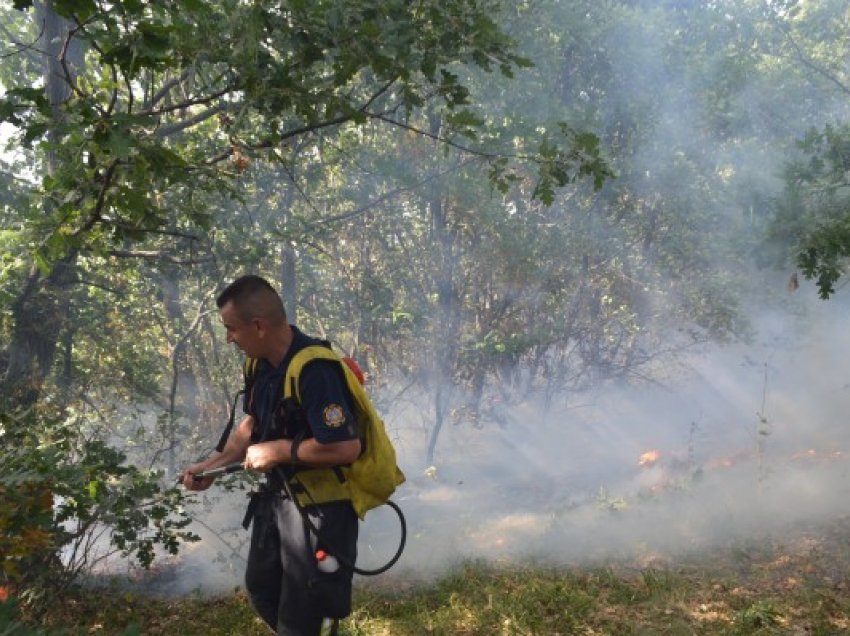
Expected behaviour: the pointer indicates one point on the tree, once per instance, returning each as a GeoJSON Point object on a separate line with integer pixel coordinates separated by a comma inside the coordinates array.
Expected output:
{"type": "Point", "coordinates": [260, 77]}
{"type": "Point", "coordinates": [141, 117]}
{"type": "Point", "coordinates": [809, 223]}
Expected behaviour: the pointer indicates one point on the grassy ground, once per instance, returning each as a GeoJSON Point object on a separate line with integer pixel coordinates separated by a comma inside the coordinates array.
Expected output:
{"type": "Point", "coordinates": [797, 584]}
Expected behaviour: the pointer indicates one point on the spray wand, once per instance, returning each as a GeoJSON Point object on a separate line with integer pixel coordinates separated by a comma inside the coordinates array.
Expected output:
{"type": "Point", "coordinates": [221, 470]}
{"type": "Point", "coordinates": [217, 472]}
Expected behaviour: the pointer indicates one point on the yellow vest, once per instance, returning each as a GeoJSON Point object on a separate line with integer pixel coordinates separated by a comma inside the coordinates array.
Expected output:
{"type": "Point", "coordinates": [373, 477]}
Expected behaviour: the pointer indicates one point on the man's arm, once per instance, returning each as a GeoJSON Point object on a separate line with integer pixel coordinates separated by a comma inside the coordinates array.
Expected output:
{"type": "Point", "coordinates": [234, 451]}
{"type": "Point", "coordinates": [328, 408]}
{"type": "Point", "coordinates": [264, 456]}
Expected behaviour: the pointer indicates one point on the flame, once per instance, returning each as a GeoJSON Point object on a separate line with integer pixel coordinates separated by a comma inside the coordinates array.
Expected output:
{"type": "Point", "coordinates": [813, 454]}
{"type": "Point", "coordinates": [649, 458]}
{"type": "Point", "coordinates": [806, 454]}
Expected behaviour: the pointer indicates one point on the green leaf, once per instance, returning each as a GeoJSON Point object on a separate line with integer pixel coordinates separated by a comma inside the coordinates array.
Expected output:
{"type": "Point", "coordinates": [8, 112]}
{"type": "Point", "coordinates": [33, 132]}
{"type": "Point", "coordinates": [193, 5]}
{"type": "Point", "coordinates": [464, 118]}
{"type": "Point", "coordinates": [136, 7]}
{"type": "Point", "coordinates": [119, 143]}
{"type": "Point", "coordinates": [81, 9]}
{"type": "Point", "coordinates": [42, 262]}
{"type": "Point", "coordinates": [370, 29]}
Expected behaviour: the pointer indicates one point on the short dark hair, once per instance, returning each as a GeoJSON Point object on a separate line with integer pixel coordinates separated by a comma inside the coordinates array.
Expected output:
{"type": "Point", "coordinates": [253, 297]}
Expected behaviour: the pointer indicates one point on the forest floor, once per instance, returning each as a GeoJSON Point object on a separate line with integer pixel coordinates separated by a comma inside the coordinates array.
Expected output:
{"type": "Point", "coordinates": [797, 583]}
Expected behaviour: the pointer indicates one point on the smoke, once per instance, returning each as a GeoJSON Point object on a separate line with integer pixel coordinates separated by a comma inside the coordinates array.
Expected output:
{"type": "Point", "coordinates": [749, 440]}
{"type": "Point", "coordinates": [738, 443]}
{"type": "Point", "coordinates": [729, 443]}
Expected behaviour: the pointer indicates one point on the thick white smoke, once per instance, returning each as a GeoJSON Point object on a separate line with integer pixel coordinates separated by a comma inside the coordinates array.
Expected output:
{"type": "Point", "coordinates": [740, 442]}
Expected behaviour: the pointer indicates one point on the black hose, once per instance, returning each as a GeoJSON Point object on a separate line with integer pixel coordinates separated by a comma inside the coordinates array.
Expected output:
{"type": "Point", "coordinates": [343, 561]}
{"type": "Point", "coordinates": [396, 556]}
{"type": "Point", "coordinates": [232, 468]}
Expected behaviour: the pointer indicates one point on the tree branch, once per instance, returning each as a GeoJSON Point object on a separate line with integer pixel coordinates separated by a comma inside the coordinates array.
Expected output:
{"type": "Point", "coordinates": [185, 104]}
{"type": "Point", "coordinates": [101, 199]}
{"type": "Point", "coordinates": [443, 140]}
{"type": "Point", "coordinates": [135, 228]}
{"type": "Point", "coordinates": [170, 129]}
{"type": "Point", "coordinates": [387, 195]}
{"type": "Point", "coordinates": [114, 99]}
{"type": "Point", "coordinates": [158, 256]}
{"type": "Point", "coordinates": [63, 61]}
{"type": "Point", "coordinates": [166, 88]}
{"type": "Point", "coordinates": [33, 54]}
{"type": "Point", "coordinates": [811, 65]}
{"type": "Point", "coordinates": [337, 120]}
{"type": "Point", "coordinates": [303, 130]}
{"type": "Point", "coordinates": [180, 346]}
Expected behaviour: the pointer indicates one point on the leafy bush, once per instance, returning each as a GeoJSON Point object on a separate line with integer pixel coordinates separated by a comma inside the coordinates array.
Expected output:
{"type": "Point", "coordinates": [68, 502]}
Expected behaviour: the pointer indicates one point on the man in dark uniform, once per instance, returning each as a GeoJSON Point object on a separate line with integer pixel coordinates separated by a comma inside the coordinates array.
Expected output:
{"type": "Point", "coordinates": [288, 586]}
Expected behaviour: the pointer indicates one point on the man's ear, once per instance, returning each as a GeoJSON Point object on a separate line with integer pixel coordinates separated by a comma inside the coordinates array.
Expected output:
{"type": "Point", "coordinates": [260, 325]}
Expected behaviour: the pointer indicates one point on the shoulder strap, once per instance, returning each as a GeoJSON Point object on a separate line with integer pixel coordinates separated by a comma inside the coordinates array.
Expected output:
{"type": "Point", "coordinates": [300, 360]}
{"type": "Point", "coordinates": [249, 369]}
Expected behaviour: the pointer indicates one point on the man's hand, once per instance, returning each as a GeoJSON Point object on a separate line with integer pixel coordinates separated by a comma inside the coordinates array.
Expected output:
{"type": "Point", "coordinates": [264, 456]}
{"type": "Point", "coordinates": [187, 478]}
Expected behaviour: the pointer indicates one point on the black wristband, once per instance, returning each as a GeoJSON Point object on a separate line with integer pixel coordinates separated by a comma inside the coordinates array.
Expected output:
{"type": "Point", "coordinates": [293, 449]}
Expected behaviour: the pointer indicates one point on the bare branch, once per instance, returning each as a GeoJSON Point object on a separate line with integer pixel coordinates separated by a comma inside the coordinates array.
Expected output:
{"type": "Point", "coordinates": [443, 140]}
{"type": "Point", "coordinates": [136, 228]}
{"type": "Point", "coordinates": [303, 130]}
{"type": "Point", "coordinates": [810, 64]}
{"type": "Point", "coordinates": [337, 120]}
{"type": "Point", "coordinates": [388, 195]}
{"type": "Point", "coordinates": [166, 88]}
{"type": "Point", "coordinates": [180, 346]}
{"type": "Point", "coordinates": [170, 129]}
{"type": "Point", "coordinates": [95, 216]}
{"type": "Point", "coordinates": [110, 290]}
{"type": "Point", "coordinates": [187, 103]}
{"type": "Point", "coordinates": [30, 50]}
{"type": "Point", "coordinates": [156, 255]}
{"type": "Point", "coordinates": [69, 78]}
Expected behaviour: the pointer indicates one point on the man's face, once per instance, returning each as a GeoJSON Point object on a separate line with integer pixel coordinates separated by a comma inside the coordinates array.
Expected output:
{"type": "Point", "coordinates": [245, 335]}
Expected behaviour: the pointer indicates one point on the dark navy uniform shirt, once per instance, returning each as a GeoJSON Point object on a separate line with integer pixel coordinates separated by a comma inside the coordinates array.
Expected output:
{"type": "Point", "coordinates": [325, 399]}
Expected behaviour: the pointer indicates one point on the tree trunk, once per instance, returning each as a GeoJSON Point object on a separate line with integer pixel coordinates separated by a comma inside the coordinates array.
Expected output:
{"type": "Point", "coordinates": [288, 258]}
{"type": "Point", "coordinates": [39, 316]}
{"type": "Point", "coordinates": [447, 319]}
{"type": "Point", "coordinates": [289, 281]}
{"type": "Point", "coordinates": [40, 312]}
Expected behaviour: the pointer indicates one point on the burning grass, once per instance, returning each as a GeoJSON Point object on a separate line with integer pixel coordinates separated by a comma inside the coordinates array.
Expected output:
{"type": "Point", "coordinates": [798, 583]}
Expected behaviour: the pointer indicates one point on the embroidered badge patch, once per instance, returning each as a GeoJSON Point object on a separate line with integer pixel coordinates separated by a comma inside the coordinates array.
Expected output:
{"type": "Point", "coordinates": [334, 416]}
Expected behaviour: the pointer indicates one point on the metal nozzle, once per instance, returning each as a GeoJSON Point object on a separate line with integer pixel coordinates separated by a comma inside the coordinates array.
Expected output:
{"type": "Point", "coordinates": [221, 470]}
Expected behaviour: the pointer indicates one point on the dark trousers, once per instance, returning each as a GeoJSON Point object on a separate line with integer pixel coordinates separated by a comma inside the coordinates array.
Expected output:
{"type": "Point", "coordinates": [283, 581]}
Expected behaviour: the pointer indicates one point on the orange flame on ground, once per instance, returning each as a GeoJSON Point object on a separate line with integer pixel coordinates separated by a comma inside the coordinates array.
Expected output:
{"type": "Point", "coordinates": [649, 458]}
{"type": "Point", "coordinates": [811, 453]}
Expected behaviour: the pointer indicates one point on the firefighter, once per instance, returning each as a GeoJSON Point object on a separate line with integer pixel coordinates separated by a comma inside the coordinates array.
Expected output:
{"type": "Point", "coordinates": [293, 592]}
